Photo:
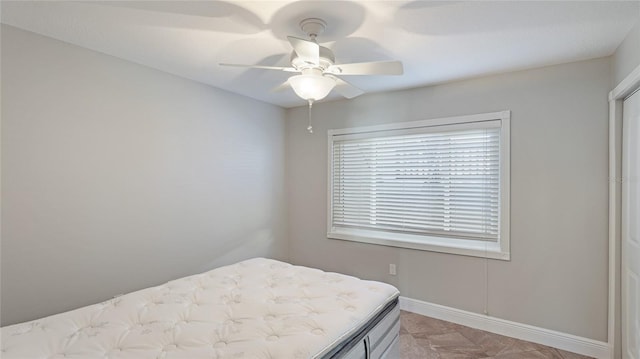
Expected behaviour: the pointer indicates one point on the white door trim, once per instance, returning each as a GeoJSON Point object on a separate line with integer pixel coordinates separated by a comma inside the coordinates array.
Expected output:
{"type": "Point", "coordinates": [626, 87]}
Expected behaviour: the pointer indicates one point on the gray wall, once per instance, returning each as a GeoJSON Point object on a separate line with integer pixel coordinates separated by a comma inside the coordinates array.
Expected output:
{"type": "Point", "coordinates": [627, 55]}
{"type": "Point", "coordinates": [117, 177]}
{"type": "Point", "coordinates": [557, 278]}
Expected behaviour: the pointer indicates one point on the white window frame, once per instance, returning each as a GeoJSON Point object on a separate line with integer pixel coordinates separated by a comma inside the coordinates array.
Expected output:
{"type": "Point", "coordinates": [485, 249]}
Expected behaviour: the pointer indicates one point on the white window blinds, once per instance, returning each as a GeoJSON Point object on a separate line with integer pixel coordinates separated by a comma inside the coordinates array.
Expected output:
{"type": "Point", "coordinates": [439, 181]}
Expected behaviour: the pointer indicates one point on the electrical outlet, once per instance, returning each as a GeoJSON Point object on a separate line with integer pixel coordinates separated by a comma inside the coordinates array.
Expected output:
{"type": "Point", "coordinates": [392, 269]}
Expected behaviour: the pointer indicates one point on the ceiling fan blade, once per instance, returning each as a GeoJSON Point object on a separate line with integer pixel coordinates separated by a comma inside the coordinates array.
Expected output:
{"type": "Point", "coordinates": [367, 68]}
{"type": "Point", "coordinates": [283, 86]}
{"type": "Point", "coordinates": [346, 89]}
{"type": "Point", "coordinates": [308, 51]}
{"type": "Point", "coordinates": [286, 69]}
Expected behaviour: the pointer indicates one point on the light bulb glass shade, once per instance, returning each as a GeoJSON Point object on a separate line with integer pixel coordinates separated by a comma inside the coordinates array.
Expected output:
{"type": "Point", "coordinates": [312, 87]}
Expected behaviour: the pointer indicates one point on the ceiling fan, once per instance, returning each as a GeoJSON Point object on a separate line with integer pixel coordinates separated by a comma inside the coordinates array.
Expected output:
{"type": "Point", "coordinates": [318, 70]}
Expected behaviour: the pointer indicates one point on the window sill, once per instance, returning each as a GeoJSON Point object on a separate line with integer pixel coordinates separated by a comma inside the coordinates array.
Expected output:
{"type": "Point", "coordinates": [474, 248]}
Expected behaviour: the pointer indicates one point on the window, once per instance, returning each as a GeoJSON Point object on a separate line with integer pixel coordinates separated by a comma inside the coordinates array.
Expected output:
{"type": "Point", "coordinates": [440, 185]}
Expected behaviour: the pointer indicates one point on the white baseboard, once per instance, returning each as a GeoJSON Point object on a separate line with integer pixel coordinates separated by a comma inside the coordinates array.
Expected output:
{"type": "Point", "coordinates": [552, 338]}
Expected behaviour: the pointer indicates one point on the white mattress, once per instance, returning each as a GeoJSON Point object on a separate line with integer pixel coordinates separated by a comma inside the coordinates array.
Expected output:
{"type": "Point", "coordinates": [259, 308]}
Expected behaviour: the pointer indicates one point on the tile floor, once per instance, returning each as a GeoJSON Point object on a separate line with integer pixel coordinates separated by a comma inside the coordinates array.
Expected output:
{"type": "Point", "coordinates": [427, 338]}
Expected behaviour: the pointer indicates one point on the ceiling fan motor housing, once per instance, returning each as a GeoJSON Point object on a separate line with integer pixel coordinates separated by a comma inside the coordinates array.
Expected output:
{"type": "Point", "coordinates": [326, 59]}
{"type": "Point", "coordinates": [313, 27]}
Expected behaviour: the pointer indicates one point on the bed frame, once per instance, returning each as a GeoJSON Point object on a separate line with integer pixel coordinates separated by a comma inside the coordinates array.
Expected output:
{"type": "Point", "coordinates": [379, 340]}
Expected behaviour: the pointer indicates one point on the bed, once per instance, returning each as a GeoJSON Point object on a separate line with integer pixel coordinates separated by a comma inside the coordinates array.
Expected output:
{"type": "Point", "coordinates": [258, 308]}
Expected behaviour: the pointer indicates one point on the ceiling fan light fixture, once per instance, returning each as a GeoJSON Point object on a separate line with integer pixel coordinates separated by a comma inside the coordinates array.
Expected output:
{"type": "Point", "coordinates": [312, 87]}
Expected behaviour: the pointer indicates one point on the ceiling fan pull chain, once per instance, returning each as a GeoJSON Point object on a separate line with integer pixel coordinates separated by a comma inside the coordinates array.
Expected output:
{"type": "Point", "coordinates": [310, 128]}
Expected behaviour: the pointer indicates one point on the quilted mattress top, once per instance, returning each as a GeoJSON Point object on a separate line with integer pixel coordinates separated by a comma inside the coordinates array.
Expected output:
{"type": "Point", "coordinates": [258, 308]}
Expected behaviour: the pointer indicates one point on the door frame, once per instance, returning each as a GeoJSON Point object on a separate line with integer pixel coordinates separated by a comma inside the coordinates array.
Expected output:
{"type": "Point", "coordinates": [626, 87]}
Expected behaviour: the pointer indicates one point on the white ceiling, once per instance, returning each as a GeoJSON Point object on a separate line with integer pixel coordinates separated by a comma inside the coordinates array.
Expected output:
{"type": "Point", "coordinates": [438, 41]}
